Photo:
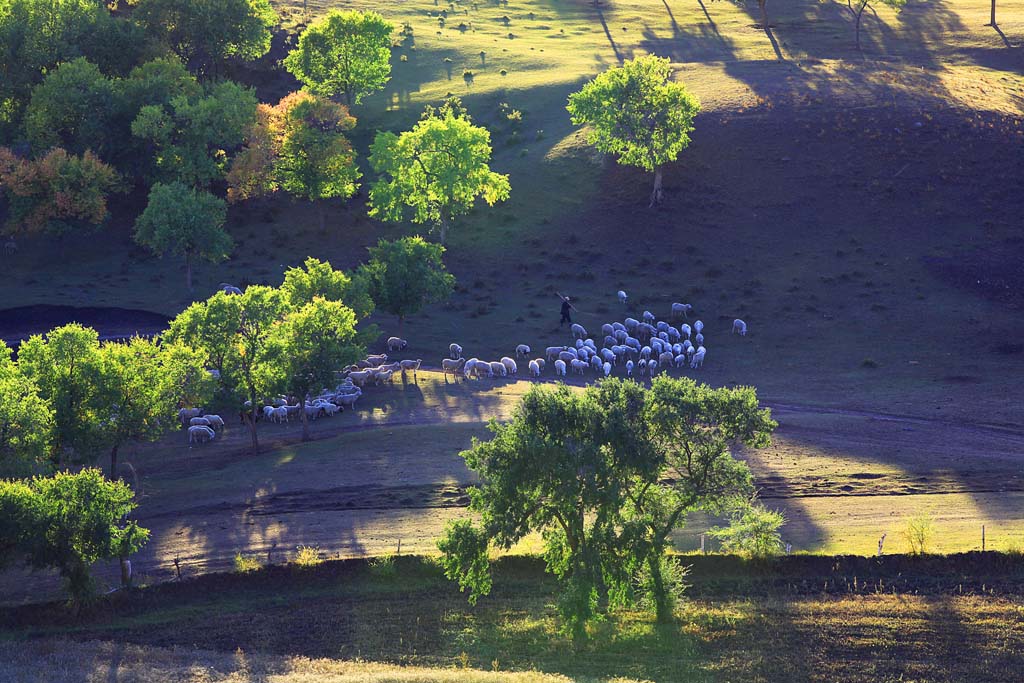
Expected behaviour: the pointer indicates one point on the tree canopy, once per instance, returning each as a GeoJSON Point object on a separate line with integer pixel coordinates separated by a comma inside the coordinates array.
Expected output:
{"type": "Point", "coordinates": [26, 422]}
{"type": "Point", "coordinates": [316, 278]}
{"type": "Point", "coordinates": [205, 33]}
{"type": "Point", "coordinates": [637, 113]}
{"type": "Point", "coordinates": [434, 172]}
{"type": "Point", "coordinates": [185, 222]}
{"type": "Point", "coordinates": [604, 475]}
{"type": "Point", "coordinates": [405, 275]}
{"type": "Point", "coordinates": [345, 53]}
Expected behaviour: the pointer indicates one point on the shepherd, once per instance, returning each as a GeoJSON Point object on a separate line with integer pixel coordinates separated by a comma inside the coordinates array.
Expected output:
{"type": "Point", "coordinates": [566, 307]}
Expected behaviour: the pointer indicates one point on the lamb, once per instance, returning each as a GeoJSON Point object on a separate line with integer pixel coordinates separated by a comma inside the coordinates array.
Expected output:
{"type": "Point", "coordinates": [498, 369]}
{"type": "Point", "coordinates": [216, 422]}
{"type": "Point", "coordinates": [413, 365]}
{"type": "Point", "coordinates": [200, 434]}
{"type": "Point", "coordinates": [453, 366]}
{"type": "Point", "coordinates": [455, 351]}
{"type": "Point", "coordinates": [186, 414]}
{"type": "Point", "coordinates": [622, 297]}
{"type": "Point", "coordinates": [510, 365]}
{"type": "Point", "coordinates": [396, 344]}
{"type": "Point", "coordinates": [607, 368]}
{"type": "Point", "coordinates": [698, 358]}
{"type": "Point", "coordinates": [559, 368]}
{"type": "Point", "coordinates": [681, 310]}
{"type": "Point", "coordinates": [198, 422]}
{"type": "Point", "coordinates": [522, 351]}
{"type": "Point", "coordinates": [578, 331]}
{"type": "Point", "coordinates": [738, 326]}
{"type": "Point", "coordinates": [534, 368]}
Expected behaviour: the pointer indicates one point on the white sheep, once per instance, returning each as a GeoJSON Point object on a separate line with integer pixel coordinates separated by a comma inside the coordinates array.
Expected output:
{"type": "Point", "coordinates": [534, 368]}
{"type": "Point", "coordinates": [510, 365]}
{"type": "Point", "coordinates": [498, 369]}
{"type": "Point", "coordinates": [198, 422]}
{"type": "Point", "coordinates": [360, 377]}
{"type": "Point", "coordinates": [595, 363]}
{"type": "Point", "coordinates": [186, 414]}
{"type": "Point", "coordinates": [648, 317]}
{"type": "Point", "coordinates": [200, 434]}
{"type": "Point", "coordinates": [377, 359]}
{"type": "Point", "coordinates": [579, 366]}
{"type": "Point", "coordinates": [216, 421]}
{"type": "Point", "coordinates": [607, 330]}
{"type": "Point", "coordinates": [522, 351]}
{"type": "Point", "coordinates": [397, 344]}
{"type": "Point", "coordinates": [559, 368]}
{"type": "Point", "coordinates": [698, 358]}
{"type": "Point", "coordinates": [699, 338]}
{"type": "Point", "coordinates": [385, 376]}
{"type": "Point", "coordinates": [578, 331]}
{"type": "Point", "coordinates": [629, 368]}
{"type": "Point", "coordinates": [551, 352]}
{"type": "Point", "coordinates": [685, 329]}
{"type": "Point", "coordinates": [740, 327]}
{"type": "Point", "coordinates": [698, 326]}
{"type": "Point", "coordinates": [455, 351]}
{"type": "Point", "coordinates": [541, 362]}
{"type": "Point", "coordinates": [413, 365]}
{"type": "Point", "coordinates": [229, 289]}
{"type": "Point", "coordinates": [681, 310]}
{"type": "Point", "coordinates": [607, 368]}
{"type": "Point", "coordinates": [641, 367]}
{"type": "Point", "coordinates": [631, 324]}
{"type": "Point", "coordinates": [609, 356]}
{"type": "Point", "coordinates": [568, 356]}
{"type": "Point", "coordinates": [665, 358]}
{"type": "Point", "coordinates": [622, 297]}
{"type": "Point", "coordinates": [453, 366]}
{"type": "Point", "coordinates": [680, 360]}
{"type": "Point", "coordinates": [652, 367]}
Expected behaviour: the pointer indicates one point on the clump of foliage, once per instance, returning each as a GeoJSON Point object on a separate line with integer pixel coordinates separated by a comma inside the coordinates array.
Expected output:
{"type": "Point", "coordinates": [404, 275]}
{"type": "Point", "coordinates": [753, 532]}
{"type": "Point", "coordinates": [307, 556]}
{"type": "Point", "coordinates": [918, 533]}
{"type": "Point", "coordinates": [246, 563]}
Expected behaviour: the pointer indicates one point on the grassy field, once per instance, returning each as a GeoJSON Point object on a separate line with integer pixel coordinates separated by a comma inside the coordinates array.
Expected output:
{"type": "Point", "coordinates": [341, 621]}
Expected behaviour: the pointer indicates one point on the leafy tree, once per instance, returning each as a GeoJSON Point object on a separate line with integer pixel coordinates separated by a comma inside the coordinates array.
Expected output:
{"type": "Point", "coordinates": [185, 222]}
{"type": "Point", "coordinates": [67, 367]}
{"type": "Point", "coordinates": [405, 275]}
{"type": "Point", "coordinates": [210, 327]}
{"type": "Point", "coordinates": [637, 113]}
{"type": "Point", "coordinates": [68, 522]}
{"type": "Point", "coordinates": [260, 308]}
{"type": "Point", "coordinates": [317, 278]}
{"type": "Point", "coordinates": [142, 385]}
{"type": "Point", "coordinates": [604, 475]}
{"type": "Point", "coordinates": [857, 8]}
{"type": "Point", "coordinates": [310, 344]}
{"type": "Point", "coordinates": [56, 194]}
{"type": "Point", "coordinates": [37, 35]}
{"type": "Point", "coordinates": [73, 108]}
{"type": "Point", "coordinates": [345, 53]}
{"type": "Point", "coordinates": [753, 531]}
{"type": "Point", "coordinates": [300, 147]}
{"type": "Point", "coordinates": [437, 170]}
{"type": "Point", "coordinates": [26, 422]}
{"type": "Point", "coordinates": [192, 136]}
{"type": "Point", "coordinates": [204, 33]}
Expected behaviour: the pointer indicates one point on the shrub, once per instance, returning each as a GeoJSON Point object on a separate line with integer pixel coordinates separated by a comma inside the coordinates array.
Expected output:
{"type": "Point", "coordinates": [918, 533]}
{"type": "Point", "coordinates": [384, 566]}
{"type": "Point", "coordinates": [246, 563]}
{"type": "Point", "coordinates": [673, 574]}
{"type": "Point", "coordinates": [308, 556]}
{"type": "Point", "coordinates": [753, 532]}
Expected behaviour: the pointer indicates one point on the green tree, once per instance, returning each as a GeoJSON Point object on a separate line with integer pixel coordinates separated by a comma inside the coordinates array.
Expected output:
{"type": "Point", "coordinates": [192, 137]}
{"type": "Point", "coordinates": [260, 308]}
{"type": "Point", "coordinates": [604, 475]}
{"type": "Point", "coordinates": [635, 112]}
{"type": "Point", "coordinates": [66, 366]}
{"type": "Point", "coordinates": [298, 146]}
{"type": "Point", "coordinates": [316, 278]}
{"type": "Point", "coordinates": [185, 222]}
{"type": "Point", "coordinates": [26, 422]}
{"type": "Point", "coordinates": [211, 327]}
{"type": "Point", "coordinates": [142, 385]}
{"type": "Point", "coordinates": [437, 171]}
{"type": "Point", "coordinates": [205, 34]}
{"type": "Point", "coordinates": [310, 344]}
{"type": "Point", "coordinates": [68, 522]}
{"type": "Point", "coordinates": [405, 275]}
{"type": "Point", "coordinates": [345, 53]}
{"type": "Point", "coordinates": [857, 8]}
{"type": "Point", "coordinates": [753, 531]}
{"type": "Point", "coordinates": [74, 108]}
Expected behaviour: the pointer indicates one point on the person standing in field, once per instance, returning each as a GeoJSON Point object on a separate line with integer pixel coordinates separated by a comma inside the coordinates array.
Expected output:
{"type": "Point", "coordinates": [566, 310]}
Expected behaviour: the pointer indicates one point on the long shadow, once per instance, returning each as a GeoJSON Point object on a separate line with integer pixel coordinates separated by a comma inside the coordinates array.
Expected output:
{"type": "Point", "coordinates": [611, 41]}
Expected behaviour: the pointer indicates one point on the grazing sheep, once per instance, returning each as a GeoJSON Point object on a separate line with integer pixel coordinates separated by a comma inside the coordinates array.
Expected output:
{"type": "Point", "coordinates": [522, 351]}
{"type": "Point", "coordinates": [229, 289]}
{"type": "Point", "coordinates": [396, 344]}
{"type": "Point", "coordinates": [698, 358]}
{"type": "Point", "coordinates": [631, 324]}
{"type": "Point", "coordinates": [385, 376]}
{"type": "Point", "coordinates": [482, 369]}
{"type": "Point", "coordinates": [607, 368]}
{"type": "Point", "coordinates": [674, 335]}
{"type": "Point", "coordinates": [595, 363]}
{"type": "Point", "coordinates": [413, 365]}
{"type": "Point", "coordinates": [198, 422]}
{"type": "Point", "coordinates": [455, 351]}
{"type": "Point", "coordinates": [609, 356]}
{"type": "Point", "coordinates": [510, 365]}
{"type": "Point", "coordinates": [568, 356]}
{"type": "Point", "coordinates": [215, 421]}
{"type": "Point", "coordinates": [328, 408]}
{"type": "Point", "coordinates": [470, 368]}
{"type": "Point", "coordinates": [268, 413]}
{"type": "Point", "coordinates": [618, 326]}
{"type": "Point", "coordinates": [559, 368]}
{"type": "Point", "coordinates": [578, 331]}
{"type": "Point", "coordinates": [698, 326]}
{"type": "Point", "coordinates": [534, 368]}
{"type": "Point", "coordinates": [607, 330]}
{"type": "Point", "coordinates": [542, 363]}
{"type": "Point", "coordinates": [498, 369]}
{"type": "Point", "coordinates": [665, 359]}
{"type": "Point", "coordinates": [652, 367]}
{"type": "Point", "coordinates": [648, 317]}
{"type": "Point", "coordinates": [621, 336]}
{"type": "Point", "coordinates": [200, 434]}
{"type": "Point", "coordinates": [348, 400]}
{"type": "Point", "coordinates": [377, 360]}
{"type": "Point", "coordinates": [360, 377]}
{"type": "Point", "coordinates": [680, 360]}
{"type": "Point", "coordinates": [641, 367]}
{"type": "Point", "coordinates": [681, 310]}
{"type": "Point", "coordinates": [622, 297]}
{"type": "Point", "coordinates": [645, 353]}
{"type": "Point", "coordinates": [629, 368]}
{"type": "Point", "coordinates": [453, 366]}
{"type": "Point", "coordinates": [610, 341]}
{"type": "Point", "coordinates": [279, 414]}
{"type": "Point", "coordinates": [740, 327]}
{"type": "Point", "coordinates": [551, 352]}
{"type": "Point", "coordinates": [579, 366]}
{"type": "Point", "coordinates": [685, 329]}
{"type": "Point", "coordinates": [186, 414]}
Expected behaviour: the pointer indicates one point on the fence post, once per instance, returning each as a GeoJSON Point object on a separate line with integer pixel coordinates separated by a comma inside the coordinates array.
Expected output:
{"type": "Point", "coordinates": [982, 538]}
{"type": "Point", "coordinates": [881, 542]}
{"type": "Point", "coordinates": [702, 551]}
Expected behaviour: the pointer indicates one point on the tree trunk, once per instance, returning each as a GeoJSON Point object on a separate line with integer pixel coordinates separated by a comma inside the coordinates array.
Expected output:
{"type": "Point", "coordinates": [444, 229]}
{"type": "Point", "coordinates": [860, 13]}
{"type": "Point", "coordinates": [657, 194]}
{"type": "Point", "coordinates": [252, 426]}
{"type": "Point", "coordinates": [188, 270]}
{"type": "Point", "coordinates": [305, 420]}
{"type": "Point", "coordinates": [113, 463]}
{"type": "Point", "coordinates": [993, 15]}
{"type": "Point", "coordinates": [763, 4]}
{"type": "Point", "coordinates": [662, 604]}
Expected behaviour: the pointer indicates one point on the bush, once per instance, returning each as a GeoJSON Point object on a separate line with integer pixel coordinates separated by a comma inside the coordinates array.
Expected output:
{"type": "Point", "coordinates": [918, 533]}
{"type": "Point", "coordinates": [673, 574]}
{"type": "Point", "coordinates": [307, 556]}
{"type": "Point", "coordinates": [246, 563]}
{"type": "Point", "coordinates": [753, 532]}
